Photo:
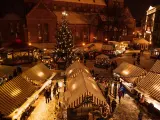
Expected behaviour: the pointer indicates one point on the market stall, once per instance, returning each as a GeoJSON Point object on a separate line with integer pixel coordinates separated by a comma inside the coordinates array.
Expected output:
{"type": "Point", "coordinates": [102, 61]}
{"type": "Point", "coordinates": [108, 49]}
{"type": "Point", "coordinates": [5, 72]}
{"type": "Point", "coordinates": [83, 92]}
{"type": "Point", "coordinates": [141, 43]}
{"type": "Point", "coordinates": [76, 68]}
{"type": "Point", "coordinates": [13, 94]}
{"type": "Point", "coordinates": [130, 75]}
{"type": "Point", "coordinates": [38, 74]}
{"type": "Point", "coordinates": [150, 86]}
{"type": "Point", "coordinates": [18, 52]}
{"type": "Point", "coordinates": [155, 53]}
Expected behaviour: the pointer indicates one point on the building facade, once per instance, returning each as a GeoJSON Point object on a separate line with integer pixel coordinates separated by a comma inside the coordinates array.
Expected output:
{"type": "Point", "coordinates": [152, 26]}
{"type": "Point", "coordinates": [87, 19]}
{"type": "Point", "coordinates": [11, 26]}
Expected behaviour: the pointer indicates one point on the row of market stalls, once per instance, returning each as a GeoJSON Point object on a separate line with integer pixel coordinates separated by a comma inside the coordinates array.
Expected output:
{"type": "Point", "coordinates": [18, 94]}
{"type": "Point", "coordinates": [82, 93]}
{"type": "Point", "coordinates": [112, 48]}
{"type": "Point", "coordinates": [136, 79]}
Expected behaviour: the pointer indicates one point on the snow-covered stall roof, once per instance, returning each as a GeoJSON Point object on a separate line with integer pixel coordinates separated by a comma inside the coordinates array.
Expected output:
{"type": "Point", "coordinates": [81, 86]}
{"type": "Point", "coordinates": [130, 72]}
{"type": "Point", "coordinates": [76, 68]}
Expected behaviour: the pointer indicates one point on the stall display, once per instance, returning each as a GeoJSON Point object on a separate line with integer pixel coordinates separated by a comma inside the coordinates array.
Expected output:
{"type": "Point", "coordinates": [102, 61]}
{"type": "Point", "coordinates": [130, 75]}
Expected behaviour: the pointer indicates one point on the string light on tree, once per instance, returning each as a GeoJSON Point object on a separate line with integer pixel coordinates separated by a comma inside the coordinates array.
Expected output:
{"type": "Point", "coordinates": [64, 40]}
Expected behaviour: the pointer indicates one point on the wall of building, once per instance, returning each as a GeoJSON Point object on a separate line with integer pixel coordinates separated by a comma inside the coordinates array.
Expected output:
{"type": "Point", "coordinates": [10, 28]}
{"type": "Point", "coordinates": [36, 22]}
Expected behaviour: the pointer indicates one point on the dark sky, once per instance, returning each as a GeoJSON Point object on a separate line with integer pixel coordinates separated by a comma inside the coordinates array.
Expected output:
{"type": "Point", "coordinates": [138, 7]}
{"type": "Point", "coordinates": [11, 6]}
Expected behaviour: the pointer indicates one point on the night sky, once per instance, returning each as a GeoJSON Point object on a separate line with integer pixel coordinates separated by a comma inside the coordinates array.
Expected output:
{"type": "Point", "coordinates": [138, 7]}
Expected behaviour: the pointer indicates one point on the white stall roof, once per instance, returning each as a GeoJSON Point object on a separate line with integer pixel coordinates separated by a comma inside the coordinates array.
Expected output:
{"type": "Point", "coordinates": [129, 71]}
{"type": "Point", "coordinates": [81, 85]}
{"type": "Point", "coordinates": [75, 68]}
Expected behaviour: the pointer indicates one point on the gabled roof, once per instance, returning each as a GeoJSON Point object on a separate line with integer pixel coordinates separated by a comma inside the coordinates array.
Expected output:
{"type": "Point", "coordinates": [129, 71]}
{"type": "Point", "coordinates": [83, 84]}
{"type": "Point", "coordinates": [38, 74]}
{"type": "Point", "coordinates": [97, 2]}
{"type": "Point", "coordinates": [156, 67]}
{"type": "Point", "coordinates": [150, 85]}
{"type": "Point", "coordinates": [14, 93]}
{"type": "Point", "coordinates": [76, 68]}
{"type": "Point", "coordinates": [42, 5]}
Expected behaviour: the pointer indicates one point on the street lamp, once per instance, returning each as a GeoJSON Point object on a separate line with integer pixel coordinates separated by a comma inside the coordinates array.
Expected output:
{"type": "Point", "coordinates": [83, 44]}
{"type": "Point", "coordinates": [64, 13]}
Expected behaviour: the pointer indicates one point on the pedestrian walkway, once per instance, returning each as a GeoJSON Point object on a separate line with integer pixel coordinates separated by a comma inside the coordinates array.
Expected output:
{"type": "Point", "coordinates": [127, 110]}
{"type": "Point", "coordinates": [44, 111]}
{"type": "Point", "coordinates": [47, 111]}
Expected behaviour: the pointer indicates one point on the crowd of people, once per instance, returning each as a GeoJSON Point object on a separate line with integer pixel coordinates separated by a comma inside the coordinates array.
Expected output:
{"type": "Point", "coordinates": [47, 92]}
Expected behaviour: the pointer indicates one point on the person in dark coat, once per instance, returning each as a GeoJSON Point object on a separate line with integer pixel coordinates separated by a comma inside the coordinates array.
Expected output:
{"type": "Point", "coordinates": [114, 105]}
{"type": "Point", "coordinates": [47, 95]}
{"type": "Point", "coordinates": [120, 94]}
{"type": "Point", "coordinates": [14, 73]}
{"type": "Point", "coordinates": [140, 115]}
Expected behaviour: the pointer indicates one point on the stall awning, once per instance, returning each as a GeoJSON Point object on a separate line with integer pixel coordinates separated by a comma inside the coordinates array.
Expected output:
{"type": "Point", "coordinates": [38, 74]}
{"type": "Point", "coordinates": [141, 41]}
{"type": "Point", "coordinates": [108, 47]}
{"type": "Point", "coordinates": [14, 93]}
{"type": "Point", "coordinates": [102, 56]}
{"type": "Point", "coordinates": [83, 85]}
{"type": "Point", "coordinates": [129, 72]}
{"type": "Point", "coordinates": [150, 85]}
{"type": "Point", "coordinates": [156, 67]}
{"type": "Point", "coordinates": [76, 68]}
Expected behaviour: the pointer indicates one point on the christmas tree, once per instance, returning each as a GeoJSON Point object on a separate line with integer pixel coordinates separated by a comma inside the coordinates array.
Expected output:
{"type": "Point", "coordinates": [63, 51]}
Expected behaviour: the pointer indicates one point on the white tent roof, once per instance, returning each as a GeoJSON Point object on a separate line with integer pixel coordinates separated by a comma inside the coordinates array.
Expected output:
{"type": "Point", "coordinates": [75, 68]}
{"type": "Point", "coordinates": [102, 56]}
{"type": "Point", "coordinates": [155, 67]}
{"type": "Point", "coordinates": [151, 85]}
{"type": "Point", "coordinates": [80, 85]}
{"type": "Point", "coordinates": [141, 41]}
{"type": "Point", "coordinates": [129, 72]}
{"type": "Point", "coordinates": [38, 73]}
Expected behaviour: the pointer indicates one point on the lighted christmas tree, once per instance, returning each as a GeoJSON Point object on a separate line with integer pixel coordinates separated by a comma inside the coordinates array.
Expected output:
{"type": "Point", "coordinates": [63, 51]}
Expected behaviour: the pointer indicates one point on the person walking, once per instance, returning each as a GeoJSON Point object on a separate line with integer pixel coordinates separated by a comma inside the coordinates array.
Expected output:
{"type": "Point", "coordinates": [140, 115]}
{"type": "Point", "coordinates": [46, 94]}
{"type": "Point", "coordinates": [119, 95]}
{"type": "Point", "coordinates": [114, 105]}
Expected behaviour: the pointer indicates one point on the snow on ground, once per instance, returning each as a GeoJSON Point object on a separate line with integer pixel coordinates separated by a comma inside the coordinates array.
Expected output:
{"type": "Point", "coordinates": [127, 110]}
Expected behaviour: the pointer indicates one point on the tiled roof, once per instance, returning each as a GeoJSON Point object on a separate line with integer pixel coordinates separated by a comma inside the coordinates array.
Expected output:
{"type": "Point", "coordinates": [14, 93]}
{"type": "Point", "coordinates": [97, 2]}
{"type": "Point", "coordinates": [73, 17]}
